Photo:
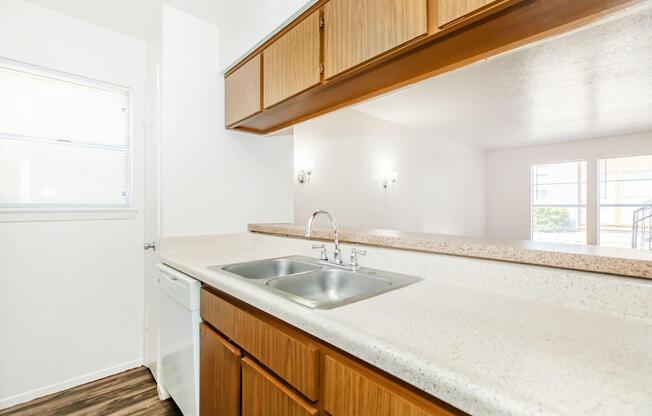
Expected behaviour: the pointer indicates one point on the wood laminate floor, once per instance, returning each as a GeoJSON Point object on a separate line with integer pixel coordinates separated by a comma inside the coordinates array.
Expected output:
{"type": "Point", "coordinates": [132, 392]}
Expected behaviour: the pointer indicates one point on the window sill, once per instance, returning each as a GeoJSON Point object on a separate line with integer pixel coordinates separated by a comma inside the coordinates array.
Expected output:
{"type": "Point", "coordinates": [91, 214]}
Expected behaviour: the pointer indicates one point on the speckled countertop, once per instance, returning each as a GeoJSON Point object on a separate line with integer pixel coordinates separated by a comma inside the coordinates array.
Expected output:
{"type": "Point", "coordinates": [616, 261]}
{"type": "Point", "coordinates": [491, 338]}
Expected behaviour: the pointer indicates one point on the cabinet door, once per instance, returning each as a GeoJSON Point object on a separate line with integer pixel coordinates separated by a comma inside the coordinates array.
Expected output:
{"type": "Point", "coordinates": [219, 375]}
{"type": "Point", "coordinates": [450, 10]}
{"type": "Point", "coordinates": [358, 30]}
{"type": "Point", "coordinates": [292, 64]}
{"type": "Point", "coordinates": [350, 390]}
{"type": "Point", "coordinates": [243, 92]}
{"type": "Point", "coordinates": [263, 395]}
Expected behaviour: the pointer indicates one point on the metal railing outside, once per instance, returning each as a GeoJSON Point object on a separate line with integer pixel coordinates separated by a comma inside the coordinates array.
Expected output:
{"type": "Point", "coordinates": [642, 227]}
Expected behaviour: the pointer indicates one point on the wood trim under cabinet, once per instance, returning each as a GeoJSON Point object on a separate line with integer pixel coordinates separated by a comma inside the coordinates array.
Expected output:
{"type": "Point", "coordinates": [286, 354]}
{"type": "Point", "coordinates": [260, 389]}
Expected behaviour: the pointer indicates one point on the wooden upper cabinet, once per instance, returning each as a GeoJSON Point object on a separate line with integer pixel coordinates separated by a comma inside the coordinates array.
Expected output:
{"type": "Point", "coordinates": [243, 91]}
{"type": "Point", "coordinates": [451, 10]}
{"type": "Point", "coordinates": [358, 30]}
{"type": "Point", "coordinates": [264, 395]}
{"type": "Point", "coordinates": [219, 378]}
{"type": "Point", "coordinates": [292, 63]}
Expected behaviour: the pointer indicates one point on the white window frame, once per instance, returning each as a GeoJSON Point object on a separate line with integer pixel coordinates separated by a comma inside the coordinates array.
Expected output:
{"type": "Point", "coordinates": [599, 205]}
{"type": "Point", "coordinates": [26, 213]}
{"type": "Point", "coordinates": [533, 205]}
{"type": "Point", "coordinates": [593, 204]}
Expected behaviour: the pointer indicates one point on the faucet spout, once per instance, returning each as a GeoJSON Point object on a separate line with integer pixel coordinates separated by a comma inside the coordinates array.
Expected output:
{"type": "Point", "coordinates": [336, 238]}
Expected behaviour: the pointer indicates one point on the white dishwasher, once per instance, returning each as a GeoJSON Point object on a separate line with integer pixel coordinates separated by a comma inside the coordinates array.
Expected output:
{"type": "Point", "coordinates": [178, 298]}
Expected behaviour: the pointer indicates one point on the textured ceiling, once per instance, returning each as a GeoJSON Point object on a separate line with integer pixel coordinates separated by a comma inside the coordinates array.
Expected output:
{"type": "Point", "coordinates": [594, 82]}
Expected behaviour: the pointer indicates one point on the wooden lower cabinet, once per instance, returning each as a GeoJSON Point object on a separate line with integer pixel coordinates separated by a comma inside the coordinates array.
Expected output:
{"type": "Point", "coordinates": [264, 395]}
{"type": "Point", "coordinates": [350, 390]}
{"type": "Point", "coordinates": [340, 384]}
{"type": "Point", "coordinates": [219, 375]}
{"type": "Point", "coordinates": [291, 356]}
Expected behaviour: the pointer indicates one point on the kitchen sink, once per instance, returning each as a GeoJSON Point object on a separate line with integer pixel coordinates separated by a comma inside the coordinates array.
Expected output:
{"type": "Point", "coordinates": [314, 284]}
{"type": "Point", "coordinates": [329, 286]}
{"type": "Point", "coordinates": [268, 269]}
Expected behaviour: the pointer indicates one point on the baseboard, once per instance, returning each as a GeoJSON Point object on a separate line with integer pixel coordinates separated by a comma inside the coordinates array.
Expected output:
{"type": "Point", "coordinates": [73, 382]}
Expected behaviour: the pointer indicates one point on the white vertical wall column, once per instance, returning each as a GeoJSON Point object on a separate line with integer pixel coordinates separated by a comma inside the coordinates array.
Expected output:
{"type": "Point", "coordinates": [212, 180]}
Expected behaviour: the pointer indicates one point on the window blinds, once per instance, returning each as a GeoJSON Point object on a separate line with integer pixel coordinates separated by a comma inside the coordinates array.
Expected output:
{"type": "Point", "coordinates": [65, 141]}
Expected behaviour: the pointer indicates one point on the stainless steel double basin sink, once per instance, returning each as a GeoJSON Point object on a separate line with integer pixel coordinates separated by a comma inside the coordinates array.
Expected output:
{"type": "Point", "coordinates": [314, 284]}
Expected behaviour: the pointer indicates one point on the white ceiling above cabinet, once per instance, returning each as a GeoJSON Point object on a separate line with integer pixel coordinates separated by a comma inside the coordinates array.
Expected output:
{"type": "Point", "coordinates": [263, 20]}
{"type": "Point", "coordinates": [593, 82]}
{"type": "Point", "coordinates": [140, 19]}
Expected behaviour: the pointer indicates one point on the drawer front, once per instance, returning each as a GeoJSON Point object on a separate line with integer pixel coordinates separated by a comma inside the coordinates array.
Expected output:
{"type": "Point", "coordinates": [352, 391]}
{"type": "Point", "coordinates": [293, 360]}
{"type": "Point", "coordinates": [263, 395]}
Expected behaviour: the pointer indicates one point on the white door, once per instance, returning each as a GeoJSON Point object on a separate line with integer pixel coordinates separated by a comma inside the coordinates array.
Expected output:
{"type": "Point", "coordinates": [152, 218]}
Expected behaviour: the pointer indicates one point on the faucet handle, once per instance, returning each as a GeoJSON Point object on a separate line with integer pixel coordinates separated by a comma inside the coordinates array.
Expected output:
{"type": "Point", "coordinates": [355, 252]}
{"type": "Point", "coordinates": [322, 254]}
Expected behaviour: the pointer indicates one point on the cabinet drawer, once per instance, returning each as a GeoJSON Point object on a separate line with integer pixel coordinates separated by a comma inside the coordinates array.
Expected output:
{"type": "Point", "coordinates": [292, 359]}
{"type": "Point", "coordinates": [243, 92]}
{"type": "Point", "coordinates": [351, 390]}
{"type": "Point", "coordinates": [263, 395]}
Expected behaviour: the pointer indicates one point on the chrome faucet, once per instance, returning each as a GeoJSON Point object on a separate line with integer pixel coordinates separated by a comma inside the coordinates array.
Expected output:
{"type": "Point", "coordinates": [337, 254]}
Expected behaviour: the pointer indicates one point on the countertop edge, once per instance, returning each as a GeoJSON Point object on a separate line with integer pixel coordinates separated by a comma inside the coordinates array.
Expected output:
{"type": "Point", "coordinates": [581, 258]}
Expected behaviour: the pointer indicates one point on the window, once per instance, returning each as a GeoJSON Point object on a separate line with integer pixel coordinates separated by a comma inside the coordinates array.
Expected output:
{"type": "Point", "coordinates": [626, 202]}
{"type": "Point", "coordinates": [65, 141]}
{"type": "Point", "coordinates": [559, 202]}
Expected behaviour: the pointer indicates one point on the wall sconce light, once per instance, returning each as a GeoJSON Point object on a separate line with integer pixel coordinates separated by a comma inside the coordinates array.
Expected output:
{"type": "Point", "coordinates": [390, 180]}
{"type": "Point", "coordinates": [304, 176]}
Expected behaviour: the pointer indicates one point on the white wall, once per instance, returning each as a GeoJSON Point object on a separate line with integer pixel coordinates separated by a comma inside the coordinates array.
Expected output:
{"type": "Point", "coordinates": [71, 292]}
{"type": "Point", "coordinates": [77, 286]}
{"type": "Point", "coordinates": [261, 17]}
{"type": "Point", "coordinates": [212, 180]}
{"type": "Point", "coordinates": [508, 177]}
{"type": "Point", "coordinates": [440, 187]}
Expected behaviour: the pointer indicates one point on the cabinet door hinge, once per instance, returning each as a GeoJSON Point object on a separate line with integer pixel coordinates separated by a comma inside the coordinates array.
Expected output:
{"type": "Point", "coordinates": [321, 21]}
